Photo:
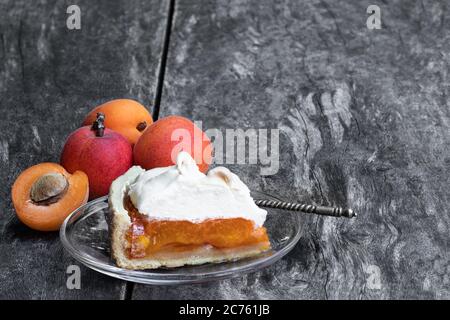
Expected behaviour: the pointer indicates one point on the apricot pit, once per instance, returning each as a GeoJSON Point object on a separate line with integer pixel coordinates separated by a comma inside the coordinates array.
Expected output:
{"type": "Point", "coordinates": [49, 188]}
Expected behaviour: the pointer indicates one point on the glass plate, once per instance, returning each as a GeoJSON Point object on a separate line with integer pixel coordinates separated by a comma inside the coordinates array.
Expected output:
{"type": "Point", "coordinates": [84, 234]}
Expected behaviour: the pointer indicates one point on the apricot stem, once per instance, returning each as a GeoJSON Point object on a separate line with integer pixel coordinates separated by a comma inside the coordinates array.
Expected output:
{"type": "Point", "coordinates": [99, 125]}
{"type": "Point", "coordinates": [141, 126]}
{"type": "Point", "coordinates": [49, 188]}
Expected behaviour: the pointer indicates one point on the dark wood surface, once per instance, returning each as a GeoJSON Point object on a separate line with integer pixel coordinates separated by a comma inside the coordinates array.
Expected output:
{"type": "Point", "coordinates": [50, 77]}
{"type": "Point", "coordinates": [364, 119]}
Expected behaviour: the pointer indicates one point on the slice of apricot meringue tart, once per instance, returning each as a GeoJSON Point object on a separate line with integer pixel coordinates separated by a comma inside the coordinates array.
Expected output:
{"type": "Point", "coordinates": [175, 216]}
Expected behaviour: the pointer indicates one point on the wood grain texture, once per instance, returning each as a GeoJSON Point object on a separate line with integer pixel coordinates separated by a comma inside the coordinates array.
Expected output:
{"type": "Point", "coordinates": [364, 116]}
{"type": "Point", "coordinates": [49, 78]}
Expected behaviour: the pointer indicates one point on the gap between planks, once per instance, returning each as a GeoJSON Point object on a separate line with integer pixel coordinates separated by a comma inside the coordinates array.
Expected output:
{"type": "Point", "coordinates": [129, 286]}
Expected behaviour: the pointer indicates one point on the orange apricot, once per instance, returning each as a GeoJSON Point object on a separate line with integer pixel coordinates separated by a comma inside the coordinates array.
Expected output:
{"type": "Point", "coordinates": [125, 116]}
{"type": "Point", "coordinates": [164, 139]}
{"type": "Point", "coordinates": [45, 194]}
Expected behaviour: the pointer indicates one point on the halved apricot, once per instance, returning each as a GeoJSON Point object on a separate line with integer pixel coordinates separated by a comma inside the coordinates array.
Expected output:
{"type": "Point", "coordinates": [45, 194]}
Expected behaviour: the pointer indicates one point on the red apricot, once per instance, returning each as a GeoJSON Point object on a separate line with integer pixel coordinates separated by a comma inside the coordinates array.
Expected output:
{"type": "Point", "coordinates": [101, 153]}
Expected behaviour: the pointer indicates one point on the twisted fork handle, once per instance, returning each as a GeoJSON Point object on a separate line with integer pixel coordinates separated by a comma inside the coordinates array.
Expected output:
{"type": "Point", "coordinates": [307, 208]}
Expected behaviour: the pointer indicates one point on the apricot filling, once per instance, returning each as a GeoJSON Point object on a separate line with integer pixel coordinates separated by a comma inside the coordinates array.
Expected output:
{"type": "Point", "coordinates": [146, 236]}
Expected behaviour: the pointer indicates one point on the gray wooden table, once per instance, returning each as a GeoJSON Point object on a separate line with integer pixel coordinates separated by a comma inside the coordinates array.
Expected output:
{"type": "Point", "coordinates": [364, 119]}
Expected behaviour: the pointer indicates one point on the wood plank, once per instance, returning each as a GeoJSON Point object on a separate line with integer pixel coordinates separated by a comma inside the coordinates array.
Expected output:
{"type": "Point", "coordinates": [50, 78]}
{"type": "Point", "coordinates": [365, 120]}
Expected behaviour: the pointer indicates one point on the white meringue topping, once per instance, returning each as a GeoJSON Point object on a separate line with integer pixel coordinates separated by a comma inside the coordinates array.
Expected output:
{"type": "Point", "coordinates": [182, 192]}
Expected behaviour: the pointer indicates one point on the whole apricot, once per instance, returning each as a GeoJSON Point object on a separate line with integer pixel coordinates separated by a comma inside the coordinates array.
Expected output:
{"type": "Point", "coordinates": [164, 139]}
{"type": "Point", "coordinates": [45, 194]}
{"type": "Point", "coordinates": [125, 116]}
{"type": "Point", "coordinates": [101, 153]}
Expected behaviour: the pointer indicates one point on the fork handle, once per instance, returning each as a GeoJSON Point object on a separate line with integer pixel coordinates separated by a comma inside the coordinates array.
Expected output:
{"type": "Point", "coordinates": [307, 208]}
